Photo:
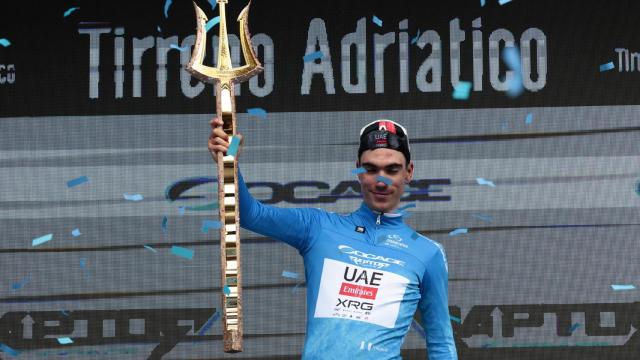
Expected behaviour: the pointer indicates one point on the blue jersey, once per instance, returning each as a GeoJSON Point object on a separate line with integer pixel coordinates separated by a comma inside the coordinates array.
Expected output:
{"type": "Point", "coordinates": [367, 273]}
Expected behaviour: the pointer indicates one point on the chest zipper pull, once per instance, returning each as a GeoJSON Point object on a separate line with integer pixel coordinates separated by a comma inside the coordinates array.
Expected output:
{"type": "Point", "coordinates": [378, 219]}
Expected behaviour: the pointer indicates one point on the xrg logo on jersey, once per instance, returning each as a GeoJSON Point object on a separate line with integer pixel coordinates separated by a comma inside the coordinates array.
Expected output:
{"type": "Point", "coordinates": [357, 293]}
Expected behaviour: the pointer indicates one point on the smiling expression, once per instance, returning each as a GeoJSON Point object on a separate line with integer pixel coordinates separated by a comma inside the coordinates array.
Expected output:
{"type": "Point", "coordinates": [392, 165]}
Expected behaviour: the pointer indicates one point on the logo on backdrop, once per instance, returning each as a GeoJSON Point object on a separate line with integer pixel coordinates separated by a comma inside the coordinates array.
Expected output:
{"type": "Point", "coordinates": [7, 74]}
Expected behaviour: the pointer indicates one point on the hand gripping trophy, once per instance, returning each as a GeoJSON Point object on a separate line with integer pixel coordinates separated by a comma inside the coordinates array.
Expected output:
{"type": "Point", "coordinates": [224, 76]}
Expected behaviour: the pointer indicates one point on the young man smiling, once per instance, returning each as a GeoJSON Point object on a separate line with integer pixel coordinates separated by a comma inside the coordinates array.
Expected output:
{"type": "Point", "coordinates": [367, 272]}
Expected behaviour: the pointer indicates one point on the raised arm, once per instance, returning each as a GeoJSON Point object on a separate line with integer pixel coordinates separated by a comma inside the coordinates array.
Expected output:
{"type": "Point", "coordinates": [293, 226]}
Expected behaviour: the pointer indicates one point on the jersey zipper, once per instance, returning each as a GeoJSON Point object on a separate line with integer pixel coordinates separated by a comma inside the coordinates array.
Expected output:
{"type": "Point", "coordinates": [378, 219]}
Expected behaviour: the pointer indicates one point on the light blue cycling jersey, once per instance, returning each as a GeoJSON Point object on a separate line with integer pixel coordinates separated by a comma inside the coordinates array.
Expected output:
{"type": "Point", "coordinates": [366, 275]}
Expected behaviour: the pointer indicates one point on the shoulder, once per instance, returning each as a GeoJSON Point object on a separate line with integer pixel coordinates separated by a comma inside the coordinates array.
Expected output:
{"type": "Point", "coordinates": [434, 250]}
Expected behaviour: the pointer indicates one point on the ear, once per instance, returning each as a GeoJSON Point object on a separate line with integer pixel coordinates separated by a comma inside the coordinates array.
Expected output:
{"type": "Point", "coordinates": [409, 175]}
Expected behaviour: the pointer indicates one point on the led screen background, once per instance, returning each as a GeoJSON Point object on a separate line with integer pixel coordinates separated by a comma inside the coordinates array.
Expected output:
{"type": "Point", "coordinates": [532, 277]}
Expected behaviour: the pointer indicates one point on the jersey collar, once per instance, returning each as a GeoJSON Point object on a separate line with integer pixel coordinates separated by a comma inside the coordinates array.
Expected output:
{"type": "Point", "coordinates": [371, 216]}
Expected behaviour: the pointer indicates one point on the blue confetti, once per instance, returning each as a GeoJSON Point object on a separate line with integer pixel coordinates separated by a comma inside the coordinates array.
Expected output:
{"type": "Point", "coordinates": [485, 218]}
{"type": "Point", "coordinates": [150, 248]}
{"type": "Point", "coordinates": [163, 226]}
{"type": "Point", "coordinates": [455, 318]}
{"type": "Point", "coordinates": [65, 341]}
{"type": "Point", "coordinates": [75, 232]}
{"type": "Point", "coordinates": [23, 282]}
{"type": "Point", "coordinates": [482, 181]}
{"type": "Point", "coordinates": [462, 90]}
{"type": "Point", "coordinates": [181, 210]}
{"type": "Point", "coordinates": [167, 4]}
{"type": "Point", "coordinates": [313, 56]}
{"type": "Point", "coordinates": [481, 3]}
{"type": "Point", "coordinates": [418, 328]}
{"type": "Point", "coordinates": [77, 181]}
{"type": "Point", "coordinates": [213, 4]}
{"type": "Point", "coordinates": [529, 119]}
{"type": "Point", "coordinates": [359, 170]}
{"type": "Point", "coordinates": [41, 240]}
{"type": "Point", "coordinates": [69, 11]}
{"type": "Point", "coordinates": [377, 21]}
{"type": "Point", "coordinates": [174, 46]}
{"type": "Point", "coordinates": [511, 56]}
{"type": "Point", "coordinates": [415, 39]}
{"type": "Point", "coordinates": [385, 180]}
{"type": "Point", "coordinates": [8, 350]}
{"type": "Point", "coordinates": [290, 274]}
{"type": "Point", "coordinates": [622, 287]}
{"type": "Point", "coordinates": [209, 323]}
{"type": "Point", "coordinates": [233, 146]}
{"type": "Point", "coordinates": [83, 263]}
{"type": "Point", "coordinates": [64, 313]}
{"type": "Point", "coordinates": [210, 224]}
{"type": "Point", "coordinates": [133, 197]}
{"type": "Point", "coordinates": [606, 67]}
{"type": "Point", "coordinates": [226, 290]}
{"type": "Point", "coordinates": [158, 28]}
{"type": "Point", "coordinates": [502, 2]}
{"type": "Point", "coordinates": [182, 252]}
{"type": "Point", "coordinates": [259, 112]}
{"type": "Point", "coordinates": [574, 327]}
{"type": "Point", "coordinates": [211, 23]}
{"type": "Point", "coordinates": [458, 231]}
{"type": "Point", "coordinates": [5, 42]}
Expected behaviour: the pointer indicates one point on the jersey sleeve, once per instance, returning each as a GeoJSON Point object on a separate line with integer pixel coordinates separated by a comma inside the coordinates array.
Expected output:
{"type": "Point", "coordinates": [434, 307]}
{"type": "Point", "coordinates": [293, 226]}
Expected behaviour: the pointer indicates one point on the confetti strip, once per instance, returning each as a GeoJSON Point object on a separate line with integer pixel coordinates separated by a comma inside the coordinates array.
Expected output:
{"type": "Point", "coordinates": [377, 21]}
{"type": "Point", "coordinates": [167, 4]}
{"type": "Point", "coordinates": [574, 327]}
{"type": "Point", "coordinates": [69, 11]}
{"type": "Point", "coordinates": [174, 46]}
{"type": "Point", "coordinates": [65, 341]}
{"type": "Point", "coordinates": [213, 4]}
{"type": "Point", "coordinates": [209, 323]}
{"type": "Point", "coordinates": [313, 56]}
{"type": "Point", "coordinates": [481, 3]}
{"type": "Point", "coordinates": [76, 232]}
{"type": "Point", "coordinates": [606, 67]}
{"type": "Point", "coordinates": [482, 181]}
{"type": "Point", "coordinates": [83, 262]}
{"type": "Point", "coordinates": [259, 112]}
{"type": "Point", "coordinates": [462, 90]}
{"type": "Point", "coordinates": [485, 218]}
{"type": "Point", "coordinates": [23, 282]}
{"type": "Point", "coordinates": [455, 318]}
{"type": "Point", "coordinates": [290, 274]}
{"type": "Point", "coordinates": [459, 231]}
{"type": "Point", "coordinates": [150, 248]}
{"type": "Point", "coordinates": [358, 171]}
{"type": "Point", "coordinates": [233, 146]}
{"type": "Point", "coordinates": [5, 42]}
{"type": "Point", "coordinates": [158, 28]}
{"type": "Point", "coordinates": [622, 287]}
{"type": "Point", "coordinates": [511, 56]}
{"type": "Point", "coordinates": [8, 350]}
{"type": "Point", "coordinates": [65, 313]}
{"type": "Point", "coordinates": [77, 181]}
{"type": "Point", "coordinates": [502, 2]}
{"type": "Point", "coordinates": [182, 252]}
{"type": "Point", "coordinates": [415, 39]}
{"type": "Point", "coordinates": [163, 226]}
{"type": "Point", "coordinates": [181, 210]}
{"type": "Point", "coordinates": [529, 119]}
{"type": "Point", "coordinates": [385, 180]}
{"type": "Point", "coordinates": [133, 197]}
{"type": "Point", "coordinates": [226, 290]}
{"type": "Point", "coordinates": [41, 240]}
{"type": "Point", "coordinates": [418, 328]}
{"type": "Point", "coordinates": [210, 224]}
{"type": "Point", "coordinates": [211, 23]}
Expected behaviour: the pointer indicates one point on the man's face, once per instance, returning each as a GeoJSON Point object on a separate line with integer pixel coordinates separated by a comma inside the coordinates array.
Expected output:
{"type": "Point", "coordinates": [390, 164]}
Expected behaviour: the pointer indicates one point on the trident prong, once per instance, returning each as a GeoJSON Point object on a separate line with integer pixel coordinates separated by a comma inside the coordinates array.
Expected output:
{"type": "Point", "coordinates": [223, 72]}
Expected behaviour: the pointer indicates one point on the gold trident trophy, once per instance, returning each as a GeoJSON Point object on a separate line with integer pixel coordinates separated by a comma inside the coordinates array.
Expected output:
{"type": "Point", "coordinates": [224, 76]}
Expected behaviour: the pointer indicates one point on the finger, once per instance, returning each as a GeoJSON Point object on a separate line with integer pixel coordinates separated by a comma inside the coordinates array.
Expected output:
{"type": "Point", "coordinates": [216, 122]}
{"type": "Point", "coordinates": [218, 132]}
{"type": "Point", "coordinates": [215, 149]}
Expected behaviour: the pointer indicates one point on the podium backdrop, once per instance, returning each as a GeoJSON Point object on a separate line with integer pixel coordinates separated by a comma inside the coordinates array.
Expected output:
{"type": "Point", "coordinates": [103, 161]}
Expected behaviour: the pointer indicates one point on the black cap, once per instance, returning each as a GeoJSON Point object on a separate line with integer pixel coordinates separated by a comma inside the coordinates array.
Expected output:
{"type": "Point", "coordinates": [384, 134]}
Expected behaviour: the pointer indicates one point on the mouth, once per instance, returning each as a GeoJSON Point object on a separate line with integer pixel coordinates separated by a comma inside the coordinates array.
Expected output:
{"type": "Point", "coordinates": [380, 195]}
